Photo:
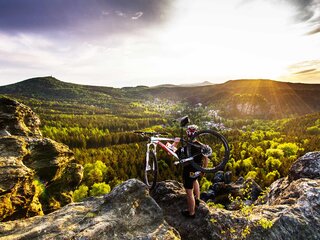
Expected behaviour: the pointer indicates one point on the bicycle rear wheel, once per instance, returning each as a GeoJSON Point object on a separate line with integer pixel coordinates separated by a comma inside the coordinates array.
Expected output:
{"type": "Point", "coordinates": [151, 171]}
{"type": "Point", "coordinates": [217, 143]}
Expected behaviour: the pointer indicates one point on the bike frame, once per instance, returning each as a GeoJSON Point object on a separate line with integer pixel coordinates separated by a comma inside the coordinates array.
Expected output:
{"type": "Point", "coordinates": [152, 146]}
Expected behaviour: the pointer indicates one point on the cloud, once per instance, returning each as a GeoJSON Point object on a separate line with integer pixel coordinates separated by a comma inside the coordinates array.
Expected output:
{"type": "Point", "coordinates": [25, 51]}
{"type": "Point", "coordinates": [81, 17]}
{"type": "Point", "coordinates": [300, 66]}
{"type": "Point", "coordinates": [306, 71]}
{"type": "Point", "coordinates": [314, 31]}
{"type": "Point", "coordinates": [305, 8]}
{"type": "Point", "coordinates": [308, 11]}
{"type": "Point", "coordinates": [137, 15]}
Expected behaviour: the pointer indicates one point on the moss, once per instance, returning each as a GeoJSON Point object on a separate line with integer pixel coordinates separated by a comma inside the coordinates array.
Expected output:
{"type": "Point", "coordinates": [213, 221]}
{"type": "Point", "coordinates": [215, 205]}
{"type": "Point", "coordinates": [265, 223]}
{"type": "Point", "coordinates": [171, 235]}
{"type": "Point", "coordinates": [35, 208]}
{"type": "Point", "coordinates": [6, 208]}
{"type": "Point", "coordinates": [54, 204]}
{"type": "Point", "coordinates": [245, 232]}
{"type": "Point", "coordinates": [39, 187]}
{"type": "Point", "coordinates": [91, 215]}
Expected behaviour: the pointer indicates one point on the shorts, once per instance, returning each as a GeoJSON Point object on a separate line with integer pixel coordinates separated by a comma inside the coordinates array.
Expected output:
{"type": "Point", "coordinates": [189, 175]}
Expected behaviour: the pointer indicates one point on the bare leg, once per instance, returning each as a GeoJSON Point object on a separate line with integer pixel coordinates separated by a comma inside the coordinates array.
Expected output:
{"type": "Point", "coordinates": [196, 189]}
{"type": "Point", "coordinates": [190, 201]}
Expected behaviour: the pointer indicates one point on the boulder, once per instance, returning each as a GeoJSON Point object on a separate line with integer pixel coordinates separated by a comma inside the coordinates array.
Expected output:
{"type": "Point", "coordinates": [127, 212]}
{"type": "Point", "coordinates": [307, 166]}
{"type": "Point", "coordinates": [37, 174]}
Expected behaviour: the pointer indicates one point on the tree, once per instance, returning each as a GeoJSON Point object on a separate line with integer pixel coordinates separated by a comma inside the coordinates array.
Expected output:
{"type": "Point", "coordinates": [94, 172]}
{"type": "Point", "coordinates": [272, 176]}
{"type": "Point", "coordinates": [289, 149]}
{"type": "Point", "coordinates": [314, 130]}
{"type": "Point", "coordinates": [251, 174]}
{"type": "Point", "coordinates": [276, 153]}
{"type": "Point", "coordinates": [100, 189]}
{"type": "Point", "coordinates": [80, 193]}
{"type": "Point", "coordinates": [205, 184]}
{"type": "Point", "coordinates": [273, 164]}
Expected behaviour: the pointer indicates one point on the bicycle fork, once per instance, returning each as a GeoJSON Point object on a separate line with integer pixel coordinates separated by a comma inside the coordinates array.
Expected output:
{"type": "Point", "coordinates": [148, 167]}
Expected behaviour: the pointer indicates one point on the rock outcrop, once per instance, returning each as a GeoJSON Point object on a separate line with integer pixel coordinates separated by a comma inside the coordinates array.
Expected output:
{"type": "Point", "coordinates": [308, 166]}
{"type": "Point", "coordinates": [36, 174]}
{"type": "Point", "coordinates": [291, 209]}
{"type": "Point", "coordinates": [18, 119]}
{"type": "Point", "coordinates": [128, 212]}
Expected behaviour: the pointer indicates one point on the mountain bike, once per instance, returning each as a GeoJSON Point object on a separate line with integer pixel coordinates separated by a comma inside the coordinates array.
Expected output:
{"type": "Point", "coordinates": [210, 143]}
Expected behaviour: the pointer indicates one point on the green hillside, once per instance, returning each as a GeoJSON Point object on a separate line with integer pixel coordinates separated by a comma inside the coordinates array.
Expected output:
{"type": "Point", "coordinates": [280, 99]}
{"type": "Point", "coordinates": [48, 93]}
{"type": "Point", "coordinates": [235, 98]}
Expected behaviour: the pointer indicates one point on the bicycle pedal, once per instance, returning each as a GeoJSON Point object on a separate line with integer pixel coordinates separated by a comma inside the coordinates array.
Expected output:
{"type": "Point", "coordinates": [176, 162]}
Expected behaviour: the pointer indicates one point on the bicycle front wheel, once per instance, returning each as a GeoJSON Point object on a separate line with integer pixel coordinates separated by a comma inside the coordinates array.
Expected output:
{"type": "Point", "coordinates": [216, 149]}
{"type": "Point", "coordinates": [151, 171]}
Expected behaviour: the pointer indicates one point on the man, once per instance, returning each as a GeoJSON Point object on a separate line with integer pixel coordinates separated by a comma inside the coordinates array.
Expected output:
{"type": "Point", "coordinates": [190, 174]}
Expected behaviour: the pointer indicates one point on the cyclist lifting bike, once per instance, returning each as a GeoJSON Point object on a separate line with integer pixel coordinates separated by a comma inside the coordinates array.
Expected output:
{"type": "Point", "coordinates": [208, 143]}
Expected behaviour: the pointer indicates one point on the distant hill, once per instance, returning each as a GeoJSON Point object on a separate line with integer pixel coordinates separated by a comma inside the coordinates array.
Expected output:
{"type": "Point", "coordinates": [49, 88]}
{"type": "Point", "coordinates": [281, 98]}
{"type": "Point", "coordinates": [48, 92]}
{"type": "Point", "coordinates": [234, 97]}
{"type": "Point", "coordinates": [205, 83]}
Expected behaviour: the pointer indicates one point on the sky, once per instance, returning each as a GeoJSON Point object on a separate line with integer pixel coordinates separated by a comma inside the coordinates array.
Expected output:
{"type": "Point", "coordinates": [122, 43]}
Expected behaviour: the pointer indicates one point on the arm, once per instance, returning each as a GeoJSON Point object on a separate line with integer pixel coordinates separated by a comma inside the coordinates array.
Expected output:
{"type": "Point", "coordinates": [176, 142]}
{"type": "Point", "coordinates": [205, 161]}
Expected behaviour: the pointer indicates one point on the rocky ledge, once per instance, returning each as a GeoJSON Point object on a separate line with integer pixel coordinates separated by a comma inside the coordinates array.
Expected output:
{"type": "Point", "coordinates": [290, 210]}
{"type": "Point", "coordinates": [128, 212]}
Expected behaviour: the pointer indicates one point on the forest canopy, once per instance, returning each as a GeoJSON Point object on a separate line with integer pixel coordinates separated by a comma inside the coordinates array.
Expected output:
{"type": "Point", "coordinates": [268, 125]}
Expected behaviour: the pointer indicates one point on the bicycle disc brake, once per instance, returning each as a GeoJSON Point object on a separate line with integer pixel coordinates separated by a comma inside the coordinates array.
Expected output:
{"type": "Point", "coordinates": [206, 151]}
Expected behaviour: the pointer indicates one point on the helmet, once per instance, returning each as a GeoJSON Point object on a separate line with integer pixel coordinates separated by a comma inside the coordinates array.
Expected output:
{"type": "Point", "coordinates": [191, 129]}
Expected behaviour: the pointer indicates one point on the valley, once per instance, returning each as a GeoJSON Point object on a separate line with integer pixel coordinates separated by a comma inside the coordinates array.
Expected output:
{"type": "Point", "coordinates": [268, 124]}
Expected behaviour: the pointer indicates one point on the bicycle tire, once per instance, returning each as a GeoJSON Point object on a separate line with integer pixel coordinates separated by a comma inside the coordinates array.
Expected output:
{"type": "Point", "coordinates": [220, 150]}
{"type": "Point", "coordinates": [150, 176]}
